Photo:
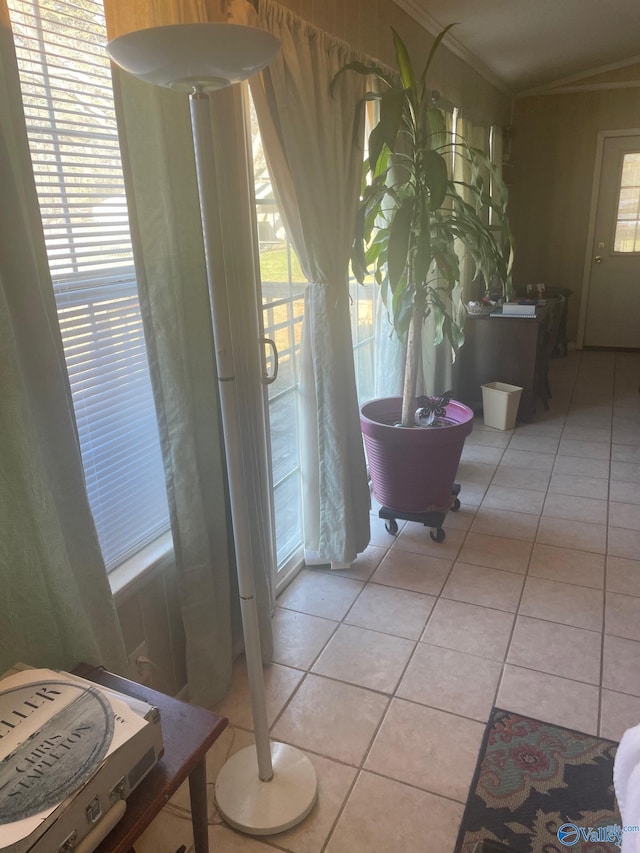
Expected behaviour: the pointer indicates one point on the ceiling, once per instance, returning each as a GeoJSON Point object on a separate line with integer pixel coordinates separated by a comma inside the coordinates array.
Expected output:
{"type": "Point", "coordinates": [527, 44]}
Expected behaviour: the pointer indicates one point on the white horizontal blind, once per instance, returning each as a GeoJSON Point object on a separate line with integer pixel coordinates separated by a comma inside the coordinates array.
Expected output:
{"type": "Point", "coordinates": [68, 100]}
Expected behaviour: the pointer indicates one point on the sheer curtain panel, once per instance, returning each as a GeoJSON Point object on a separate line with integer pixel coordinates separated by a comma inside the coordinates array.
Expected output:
{"type": "Point", "coordinates": [56, 606]}
{"type": "Point", "coordinates": [308, 136]}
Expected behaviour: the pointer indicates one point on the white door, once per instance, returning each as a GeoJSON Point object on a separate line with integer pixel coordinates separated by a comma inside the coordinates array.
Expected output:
{"type": "Point", "coordinates": [613, 308]}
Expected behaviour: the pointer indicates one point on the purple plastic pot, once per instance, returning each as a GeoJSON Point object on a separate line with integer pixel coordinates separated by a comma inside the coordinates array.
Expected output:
{"type": "Point", "coordinates": [413, 469]}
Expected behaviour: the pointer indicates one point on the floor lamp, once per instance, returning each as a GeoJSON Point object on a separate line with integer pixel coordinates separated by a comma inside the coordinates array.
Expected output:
{"type": "Point", "coordinates": [269, 787]}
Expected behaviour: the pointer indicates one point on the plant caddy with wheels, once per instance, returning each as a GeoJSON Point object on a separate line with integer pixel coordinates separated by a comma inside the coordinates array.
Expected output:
{"type": "Point", "coordinates": [414, 222]}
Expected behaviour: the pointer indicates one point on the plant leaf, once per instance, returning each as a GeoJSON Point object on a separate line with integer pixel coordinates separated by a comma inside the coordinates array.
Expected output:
{"type": "Point", "coordinates": [403, 61]}
{"type": "Point", "coordinates": [399, 236]}
{"type": "Point", "coordinates": [436, 177]}
{"type": "Point", "coordinates": [432, 52]}
{"type": "Point", "coordinates": [360, 68]}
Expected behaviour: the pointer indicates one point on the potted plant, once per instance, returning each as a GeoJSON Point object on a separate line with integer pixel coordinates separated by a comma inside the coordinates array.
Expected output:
{"type": "Point", "coordinates": [412, 216]}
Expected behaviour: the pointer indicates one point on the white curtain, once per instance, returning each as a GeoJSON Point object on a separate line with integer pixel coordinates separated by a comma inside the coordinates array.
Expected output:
{"type": "Point", "coordinates": [308, 136]}
{"type": "Point", "coordinates": [56, 607]}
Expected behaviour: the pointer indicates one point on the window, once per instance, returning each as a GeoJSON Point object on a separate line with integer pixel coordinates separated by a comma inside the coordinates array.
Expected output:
{"type": "Point", "coordinates": [283, 285]}
{"type": "Point", "coordinates": [627, 234]}
{"type": "Point", "coordinates": [68, 102]}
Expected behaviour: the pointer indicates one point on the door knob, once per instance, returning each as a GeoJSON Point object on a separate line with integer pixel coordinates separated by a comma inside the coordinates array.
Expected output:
{"type": "Point", "coordinates": [598, 259]}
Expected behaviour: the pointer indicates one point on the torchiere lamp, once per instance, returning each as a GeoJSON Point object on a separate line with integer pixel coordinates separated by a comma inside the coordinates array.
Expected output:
{"type": "Point", "coordinates": [269, 787]}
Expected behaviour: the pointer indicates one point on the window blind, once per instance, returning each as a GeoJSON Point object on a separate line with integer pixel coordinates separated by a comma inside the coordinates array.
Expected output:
{"type": "Point", "coordinates": [65, 78]}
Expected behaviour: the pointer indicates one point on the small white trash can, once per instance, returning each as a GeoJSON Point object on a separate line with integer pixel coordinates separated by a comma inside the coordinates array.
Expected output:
{"type": "Point", "coordinates": [500, 404]}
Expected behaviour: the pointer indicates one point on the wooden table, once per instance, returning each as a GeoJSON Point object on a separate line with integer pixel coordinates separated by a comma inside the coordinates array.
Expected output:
{"type": "Point", "coordinates": [187, 732]}
{"type": "Point", "coordinates": [514, 350]}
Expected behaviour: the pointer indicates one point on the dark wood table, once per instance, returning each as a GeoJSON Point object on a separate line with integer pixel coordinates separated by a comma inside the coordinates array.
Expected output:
{"type": "Point", "coordinates": [514, 350]}
{"type": "Point", "coordinates": [187, 732]}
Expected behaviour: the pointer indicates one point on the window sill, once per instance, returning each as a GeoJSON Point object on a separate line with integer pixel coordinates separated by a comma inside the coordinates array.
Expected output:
{"type": "Point", "coordinates": [130, 575]}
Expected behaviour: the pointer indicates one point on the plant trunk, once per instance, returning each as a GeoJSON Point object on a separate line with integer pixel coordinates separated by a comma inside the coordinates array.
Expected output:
{"type": "Point", "coordinates": [411, 367]}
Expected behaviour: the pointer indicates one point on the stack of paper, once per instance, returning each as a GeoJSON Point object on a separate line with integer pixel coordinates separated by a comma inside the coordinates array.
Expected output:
{"type": "Point", "coordinates": [516, 309]}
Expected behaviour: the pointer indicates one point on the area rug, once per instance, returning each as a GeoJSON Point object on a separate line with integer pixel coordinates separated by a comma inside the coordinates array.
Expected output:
{"type": "Point", "coordinates": [540, 788]}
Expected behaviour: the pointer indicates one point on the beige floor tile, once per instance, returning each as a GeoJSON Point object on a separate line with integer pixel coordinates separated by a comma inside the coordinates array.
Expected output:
{"type": "Point", "coordinates": [417, 539]}
{"type": "Point", "coordinates": [224, 838]}
{"type": "Point", "coordinates": [626, 452]}
{"type": "Point", "coordinates": [584, 487]}
{"type": "Point", "coordinates": [565, 603]}
{"type": "Point", "coordinates": [624, 492]}
{"type": "Point", "coordinates": [334, 783]}
{"type": "Point", "coordinates": [496, 552]}
{"type": "Point", "coordinates": [576, 508]}
{"type": "Point", "coordinates": [501, 522]}
{"type": "Point", "coordinates": [489, 437]}
{"type": "Point", "coordinates": [468, 628]}
{"type": "Point", "coordinates": [626, 435]}
{"type": "Point", "coordinates": [231, 741]}
{"type": "Point", "coordinates": [533, 443]}
{"type": "Point", "coordinates": [623, 543]}
{"type": "Point", "coordinates": [393, 611]}
{"type": "Point", "coordinates": [452, 681]}
{"type": "Point", "coordinates": [299, 638]}
{"type": "Point", "coordinates": [320, 593]}
{"type": "Point", "coordinates": [365, 658]}
{"type": "Point", "coordinates": [331, 718]}
{"type": "Point", "coordinates": [412, 571]}
{"type": "Point", "coordinates": [556, 649]}
{"type": "Point", "coordinates": [427, 748]}
{"type": "Point", "coordinates": [622, 616]}
{"type": "Point", "coordinates": [547, 697]}
{"type": "Point", "coordinates": [168, 833]}
{"type": "Point", "coordinates": [463, 518]}
{"type": "Point", "coordinates": [581, 466]}
{"type": "Point", "coordinates": [625, 515]}
{"type": "Point", "coordinates": [521, 478]}
{"type": "Point", "coordinates": [589, 449]}
{"type": "Point", "coordinates": [382, 815]}
{"type": "Point", "coordinates": [621, 665]}
{"type": "Point", "coordinates": [569, 533]}
{"type": "Point", "coordinates": [551, 428]}
{"type": "Point", "coordinates": [279, 683]}
{"type": "Point", "coordinates": [471, 495]}
{"type": "Point", "coordinates": [484, 586]}
{"type": "Point", "coordinates": [623, 576]}
{"type": "Point", "coordinates": [618, 713]}
{"type": "Point", "coordinates": [524, 459]}
{"type": "Point", "coordinates": [364, 565]}
{"type": "Point", "coordinates": [587, 433]}
{"type": "Point", "coordinates": [481, 453]}
{"type": "Point", "coordinates": [475, 472]}
{"type": "Point", "coordinates": [627, 471]}
{"type": "Point", "coordinates": [518, 500]}
{"type": "Point", "coordinates": [567, 565]}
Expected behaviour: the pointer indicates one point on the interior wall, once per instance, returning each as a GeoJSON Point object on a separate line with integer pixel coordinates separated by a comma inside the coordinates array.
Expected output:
{"type": "Point", "coordinates": [366, 25]}
{"type": "Point", "coordinates": [552, 165]}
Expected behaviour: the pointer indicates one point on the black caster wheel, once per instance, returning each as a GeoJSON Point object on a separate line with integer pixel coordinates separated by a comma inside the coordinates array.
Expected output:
{"type": "Point", "coordinates": [456, 505]}
{"type": "Point", "coordinates": [391, 526]}
{"type": "Point", "coordinates": [437, 534]}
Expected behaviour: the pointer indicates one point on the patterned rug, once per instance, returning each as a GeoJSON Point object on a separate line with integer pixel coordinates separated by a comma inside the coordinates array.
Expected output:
{"type": "Point", "coordinates": [537, 786]}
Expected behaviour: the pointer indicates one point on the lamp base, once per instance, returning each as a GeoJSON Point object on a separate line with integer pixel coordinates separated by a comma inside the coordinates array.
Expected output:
{"type": "Point", "coordinates": [264, 808]}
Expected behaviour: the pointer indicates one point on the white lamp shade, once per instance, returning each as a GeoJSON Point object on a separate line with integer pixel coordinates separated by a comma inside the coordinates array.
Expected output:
{"type": "Point", "coordinates": [186, 56]}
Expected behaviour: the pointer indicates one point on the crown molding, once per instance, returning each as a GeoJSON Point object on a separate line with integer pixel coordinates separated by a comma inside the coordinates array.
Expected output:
{"type": "Point", "coordinates": [432, 26]}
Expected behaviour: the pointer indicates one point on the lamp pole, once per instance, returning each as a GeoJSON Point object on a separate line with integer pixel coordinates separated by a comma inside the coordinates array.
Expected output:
{"type": "Point", "coordinates": [269, 787]}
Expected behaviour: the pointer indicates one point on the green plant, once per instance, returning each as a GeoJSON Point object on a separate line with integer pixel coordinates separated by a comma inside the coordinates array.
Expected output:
{"type": "Point", "coordinates": [413, 213]}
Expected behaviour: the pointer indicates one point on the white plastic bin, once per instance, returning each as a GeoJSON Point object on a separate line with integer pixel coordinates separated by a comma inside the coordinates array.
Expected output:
{"type": "Point", "coordinates": [500, 404]}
